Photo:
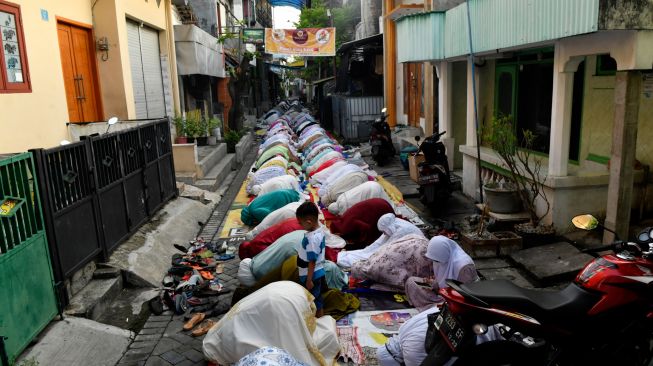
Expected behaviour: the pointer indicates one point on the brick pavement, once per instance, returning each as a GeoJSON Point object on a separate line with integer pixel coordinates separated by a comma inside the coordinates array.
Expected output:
{"type": "Point", "coordinates": [162, 341]}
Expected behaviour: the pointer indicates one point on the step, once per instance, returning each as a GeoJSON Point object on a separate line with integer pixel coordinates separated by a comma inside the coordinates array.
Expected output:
{"type": "Point", "coordinates": [211, 160]}
{"type": "Point", "coordinates": [218, 174]}
{"type": "Point", "coordinates": [186, 178]}
{"type": "Point", "coordinates": [551, 262]}
{"type": "Point", "coordinates": [106, 273]}
{"type": "Point", "coordinates": [94, 299]}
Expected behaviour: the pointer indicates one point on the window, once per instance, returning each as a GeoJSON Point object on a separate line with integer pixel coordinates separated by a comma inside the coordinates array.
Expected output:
{"type": "Point", "coordinates": [524, 88]}
{"type": "Point", "coordinates": [14, 75]}
{"type": "Point", "coordinates": [605, 65]}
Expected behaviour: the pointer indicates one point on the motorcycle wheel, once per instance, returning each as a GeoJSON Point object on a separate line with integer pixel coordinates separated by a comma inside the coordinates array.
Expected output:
{"type": "Point", "coordinates": [500, 353]}
{"type": "Point", "coordinates": [439, 355]}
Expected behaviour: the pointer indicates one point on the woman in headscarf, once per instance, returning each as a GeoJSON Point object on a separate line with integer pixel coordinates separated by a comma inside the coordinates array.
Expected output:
{"type": "Point", "coordinates": [325, 170]}
{"type": "Point", "coordinates": [358, 226]}
{"type": "Point", "coordinates": [250, 270]}
{"type": "Point", "coordinates": [263, 240]}
{"type": "Point", "coordinates": [449, 262]}
{"type": "Point", "coordinates": [263, 205]}
{"type": "Point", "coordinates": [275, 184]}
{"type": "Point", "coordinates": [282, 314]}
{"type": "Point", "coordinates": [391, 229]}
{"type": "Point", "coordinates": [330, 193]}
{"type": "Point", "coordinates": [366, 191]}
{"type": "Point", "coordinates": [269, 356]}
{"type": "Point", "coordinates": [407, 347]}
{"type": "Point", "coordinates": [394, 262]}
{"type": "Point", "coordinates": [262, 175]}
{"type": "Point", "coordinates": [320, 159]}
{"type": "Point", "coordinates": [284, 213]}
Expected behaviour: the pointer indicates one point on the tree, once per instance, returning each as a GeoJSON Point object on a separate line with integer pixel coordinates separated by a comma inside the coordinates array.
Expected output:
{"type": "Point", "coordinates": [344, 20]}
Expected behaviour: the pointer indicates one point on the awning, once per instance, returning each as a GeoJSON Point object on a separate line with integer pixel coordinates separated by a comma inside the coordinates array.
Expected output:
{"type": "Point", "coordinates": [297, 4]}
{"type": "Point", "coordinates": [377, 38]}
{"type": "Point", "coordinates": [198, 53]}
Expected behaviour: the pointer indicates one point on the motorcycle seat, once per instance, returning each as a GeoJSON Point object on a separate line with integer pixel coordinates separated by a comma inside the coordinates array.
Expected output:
{"type": "Point", "coordinates": [572, 301]}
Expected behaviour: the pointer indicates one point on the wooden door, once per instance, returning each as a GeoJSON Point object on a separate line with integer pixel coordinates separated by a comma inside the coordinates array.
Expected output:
{"type": "Point", "coordinates": [80, 73]}
{"type": "Point", "coordinates": [413, 88]}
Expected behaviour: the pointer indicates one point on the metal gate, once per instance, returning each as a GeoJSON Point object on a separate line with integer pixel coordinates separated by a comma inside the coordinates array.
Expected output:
{"type": "Point", "coordinates": [27, 298]}
{"type": "Point", "coordinates": [99, 191]}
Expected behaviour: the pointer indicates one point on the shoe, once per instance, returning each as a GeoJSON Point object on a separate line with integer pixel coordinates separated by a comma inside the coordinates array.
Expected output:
{"type": "Point", "coordinates": [196, 319]}
{"type": "Point", "coordinates": [203, 328]}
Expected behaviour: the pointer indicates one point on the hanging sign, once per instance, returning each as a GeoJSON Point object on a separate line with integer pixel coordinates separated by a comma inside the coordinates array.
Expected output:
{"type": "Point", "coordinates": [301, 42]}
{"type": "Point", "coordinates": [254, 35]}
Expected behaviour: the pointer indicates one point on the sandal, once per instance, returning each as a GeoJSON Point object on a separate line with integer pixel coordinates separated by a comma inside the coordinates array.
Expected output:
{"type": "Point", "coordinates": [203, 328]}
{"type": "Point", "coordinates": [196, 319]}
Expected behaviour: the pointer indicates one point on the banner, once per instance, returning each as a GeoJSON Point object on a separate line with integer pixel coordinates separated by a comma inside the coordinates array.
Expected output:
{"type": "Point", "coordinates": [301, 42]}
{"type": "Point", "coordinates": [254, 35]}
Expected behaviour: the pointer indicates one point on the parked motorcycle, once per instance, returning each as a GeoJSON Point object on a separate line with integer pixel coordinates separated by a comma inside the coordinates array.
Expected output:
{"type": "Point", "coordinates": [381, 140]}
{"type": "Point", "coordinates": [604, 317]}
{"type": "Point", "coordinates": [434, 177]}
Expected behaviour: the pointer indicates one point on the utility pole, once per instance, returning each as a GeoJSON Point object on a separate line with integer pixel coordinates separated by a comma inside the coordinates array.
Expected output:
{"type": "Point", "coordinates": [335, 73]}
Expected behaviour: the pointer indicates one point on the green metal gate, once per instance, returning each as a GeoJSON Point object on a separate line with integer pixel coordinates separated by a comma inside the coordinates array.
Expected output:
{"type": "Point", "coordinates": [27, 297]}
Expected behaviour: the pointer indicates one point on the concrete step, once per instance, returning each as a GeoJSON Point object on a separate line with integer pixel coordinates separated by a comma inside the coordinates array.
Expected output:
{"type": "Point", "coordinates": [186, 178]}
{"type": "Point", "coordinates": [106, 273]}
{"type": "Point", "coordinates": [211, 160]}
{"type": "Point", "coordinates": [215, 176]}
{"type": "Point", "coordinates": [553, 262]}
{"type": "Point", "coordinates": [94, 299]}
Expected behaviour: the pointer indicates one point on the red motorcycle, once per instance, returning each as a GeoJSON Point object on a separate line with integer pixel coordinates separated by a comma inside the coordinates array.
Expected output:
{"type": "Point", "coordinates": [604, 317]}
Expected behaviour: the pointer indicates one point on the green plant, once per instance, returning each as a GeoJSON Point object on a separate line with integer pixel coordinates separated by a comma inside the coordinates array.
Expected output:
{"type": "Point", "coordinates": [194, 123]}
{"type": "Point", "coordinates": [232, 137]}
{"type": "Point", "coordinates": [180, 125]}
{"type": "Point", "coordinates": [525, 168]}
{"type": "Point", "coordinates": [214, 123]}
{"type": "Point", "coordinates": [204, 127]}
{"type": "Point", "coordinates": [30, 362]}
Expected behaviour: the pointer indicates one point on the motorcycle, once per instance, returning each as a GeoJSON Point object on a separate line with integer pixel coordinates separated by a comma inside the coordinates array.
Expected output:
{"type": "Point", "coordinates": [434, 177]}
{"type": "Point", "coordinates": [381, 140]}
{"type": "Point", "coordinates": [604, 317]}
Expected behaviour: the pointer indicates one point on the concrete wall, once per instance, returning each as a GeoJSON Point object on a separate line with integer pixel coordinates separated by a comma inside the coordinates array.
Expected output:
{"type": "Point", "coordinates": [38, 118]}
{"type": "Point", "coordinates": [115, 73]}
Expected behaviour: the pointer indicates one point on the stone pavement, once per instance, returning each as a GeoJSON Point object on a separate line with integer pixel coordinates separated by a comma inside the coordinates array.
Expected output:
{"type": "Point", "coordinates": [162, 341]}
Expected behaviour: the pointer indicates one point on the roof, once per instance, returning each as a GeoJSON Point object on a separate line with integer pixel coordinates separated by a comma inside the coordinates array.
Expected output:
{"type": "Point", "coordinates": [360, 42]}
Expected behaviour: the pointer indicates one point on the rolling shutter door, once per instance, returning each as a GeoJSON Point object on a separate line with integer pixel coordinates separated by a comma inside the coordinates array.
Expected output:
{"type": "Point", "coordinates": [147, 80]}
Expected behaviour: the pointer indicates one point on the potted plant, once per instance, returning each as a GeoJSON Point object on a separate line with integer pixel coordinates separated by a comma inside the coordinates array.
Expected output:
{"type": "Point", "coordinates": [202, 138]}
{"type": "Point", "coordinates": [525, 174]}
{"type": "Point", "coordinates": [193, 129]}
{"type": "Point", "coordinates": [231, 137]}
{"type": "Point", "coordinates": [213, 126]}
{"type": "Point", "coordinates": [180, 128]}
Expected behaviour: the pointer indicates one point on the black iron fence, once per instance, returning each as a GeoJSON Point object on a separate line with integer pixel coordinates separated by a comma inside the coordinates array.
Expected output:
{"type": "Point", "coordinates": [97, 192]}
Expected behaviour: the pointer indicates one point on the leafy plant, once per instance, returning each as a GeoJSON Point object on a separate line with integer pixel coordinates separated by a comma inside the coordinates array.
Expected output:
{"type": "Point", "coordinates": [214, 123]}
{"type": "Point", "coordinates": [180, 125]}
{"type": "Point", "coordinates": [525, 168]}
{"type": "Point", "coordinates": [232, 136]}
{"type": "Point", "coordinates": [194, 123]}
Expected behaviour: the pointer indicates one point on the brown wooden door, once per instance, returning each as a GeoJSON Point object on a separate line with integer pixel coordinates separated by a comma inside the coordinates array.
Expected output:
{"type": "Point", "coordinates": [80, 73]}
{"type": "Point", "coordinates": [413, 98]}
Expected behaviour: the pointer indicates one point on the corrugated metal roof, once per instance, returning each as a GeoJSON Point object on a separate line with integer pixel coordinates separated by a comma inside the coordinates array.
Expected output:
{"type": "Point", "coordinates": [496, 24]}
{"type": "Point", "coordinates": [420, 37]}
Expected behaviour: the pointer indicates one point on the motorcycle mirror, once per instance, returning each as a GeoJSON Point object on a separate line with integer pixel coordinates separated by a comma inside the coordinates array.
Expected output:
{"type": "Point", "coordinates": [384, 110]}
{"type": "Point", "coordinates": [112, 121]}
{"type": "Point", "coordinates": [64, 142]}
{"type": "Point", "coordinates": [417, 138]}
{"type": "Point", "coordinates": [585, 222]}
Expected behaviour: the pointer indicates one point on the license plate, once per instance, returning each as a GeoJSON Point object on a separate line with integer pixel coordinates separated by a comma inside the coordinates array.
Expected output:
{"type": "Point", "coordinates": [429, 178]}
{"type": "Point", "coordinates": [451, 330]}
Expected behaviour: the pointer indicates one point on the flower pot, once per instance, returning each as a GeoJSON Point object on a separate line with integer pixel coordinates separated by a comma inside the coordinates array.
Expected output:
{"type": "Point", "coordinates": [201, 141]}
{"type": "Point", "coordinates": [231, 147]}
{"type": "Point", "coordinates": [181, 140]}
{"type": "Point", "coordinates": [191, 140]}
{"type": "Point", "coordinates": [212, 140]}
{"type": "Point", "coordinates": [217, 133]}
{"type": "Point", "coordinates": [502, 198]}
{"type": "Point", "coordinates": [498, 243]}
{"type": "Point", "coordinates": [535, 236]}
